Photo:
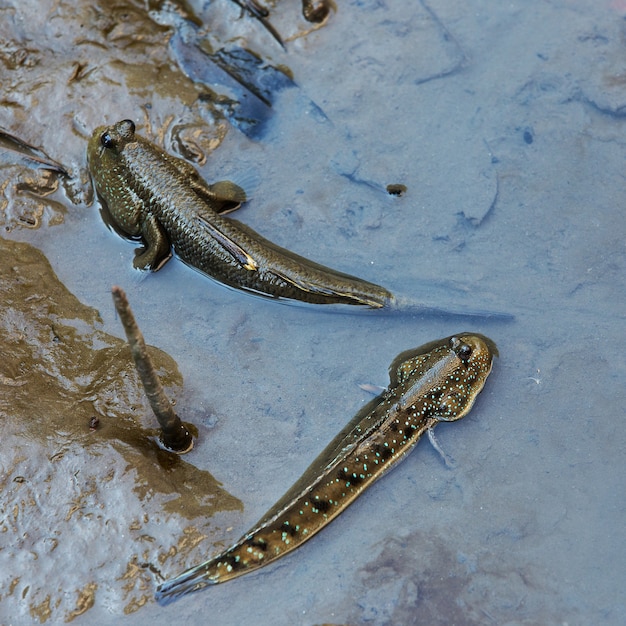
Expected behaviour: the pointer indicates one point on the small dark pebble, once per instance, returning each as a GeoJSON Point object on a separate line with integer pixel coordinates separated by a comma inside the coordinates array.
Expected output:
{"type": "Point", "coordinates": [316, 11]}
{"type": "Point", "coordinates": [94, 422]}
{"type": "Point", "coordinates": [528, 137]}
{"type": "Point", "coordinates": [396, 189]}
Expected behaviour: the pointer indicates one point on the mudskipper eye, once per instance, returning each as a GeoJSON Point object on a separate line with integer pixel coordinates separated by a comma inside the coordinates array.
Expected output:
{"type": "Point", "coordinates": [464, 351]}
{"type": "Point", "coordinates": [127, 128]}
{"type": "Point", "coordinates": [106, 140]}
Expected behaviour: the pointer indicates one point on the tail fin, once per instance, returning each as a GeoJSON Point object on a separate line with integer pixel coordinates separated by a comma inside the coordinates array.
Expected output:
{"type": "Point", "coordinates": [407, 306]}
{"type": "Point", "coordinates": [189, 581]}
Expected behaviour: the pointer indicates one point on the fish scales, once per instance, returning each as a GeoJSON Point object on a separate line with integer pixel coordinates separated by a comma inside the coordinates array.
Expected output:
{"type": "Point", "coordinates": [437, 382]}
{"type": "Point", "coordinates": [153, 197]}
{"type": "Point", "coordinates": [162, 200]}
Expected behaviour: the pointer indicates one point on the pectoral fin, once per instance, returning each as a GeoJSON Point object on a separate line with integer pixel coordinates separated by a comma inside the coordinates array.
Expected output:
{"type": "Point", "coordinates": [222, 197]}
{"type": "Point", "coordinates": [229, 195]}
{"type": "Point", "coordinates": [375, 390]}
{"type": "Point", "coordinates": [157, 251]}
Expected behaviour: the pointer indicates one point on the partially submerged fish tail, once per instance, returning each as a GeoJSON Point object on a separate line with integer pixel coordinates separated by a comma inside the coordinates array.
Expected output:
{"type": "Point", "coordinates": [407, 306]}
{"type": "Point", "coordinates": [190, 580]}
{"type": "Point", "coordinates": [249, 553]}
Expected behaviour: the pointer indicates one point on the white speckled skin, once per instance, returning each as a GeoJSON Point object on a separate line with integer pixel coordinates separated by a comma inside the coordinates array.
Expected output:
{"type": "Point", "coordinates": [437, 382]}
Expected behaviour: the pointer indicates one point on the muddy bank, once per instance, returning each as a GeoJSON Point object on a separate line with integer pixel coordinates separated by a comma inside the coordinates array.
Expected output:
{"type": "Point", "coordinates": [93, 508]}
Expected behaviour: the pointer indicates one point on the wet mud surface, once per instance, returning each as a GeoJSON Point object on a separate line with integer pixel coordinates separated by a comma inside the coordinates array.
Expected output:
{"type": "Point", "coordinates": [82, 472]}
{"type": "Point", "coordinates": [459, 154]}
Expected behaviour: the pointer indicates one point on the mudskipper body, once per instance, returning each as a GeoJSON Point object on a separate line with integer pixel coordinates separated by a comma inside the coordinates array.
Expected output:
{"type": "Point", "coordinates": [438, 382]}
{"type": "Point", "coordinates": [162, 201]}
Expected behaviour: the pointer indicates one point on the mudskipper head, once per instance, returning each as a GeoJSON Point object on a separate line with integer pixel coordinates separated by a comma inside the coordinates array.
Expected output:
{"type": "Point", "coordinates": [469, 361]}
{"type": "Point", "coordinates": [107, 142]}
{"type": "Point", "coordinates": [445, 376]}
{"type": "Point", "coordinates": [105, 156]}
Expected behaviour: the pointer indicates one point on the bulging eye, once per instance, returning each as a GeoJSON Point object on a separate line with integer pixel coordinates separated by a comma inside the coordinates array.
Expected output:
{"type": "Point", "coordinates": [127, 128]}
{"type": "Point", "coordinates": [464, 351]}
{"type": "Point", "coordinates": [106, 140]}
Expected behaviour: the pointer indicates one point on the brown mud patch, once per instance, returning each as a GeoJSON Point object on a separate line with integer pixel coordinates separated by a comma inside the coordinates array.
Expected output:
{"type": "Point", "coordinates": [91, 508]}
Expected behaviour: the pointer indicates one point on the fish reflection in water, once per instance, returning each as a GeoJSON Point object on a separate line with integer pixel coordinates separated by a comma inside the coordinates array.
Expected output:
{"type": "Point", "coordinates": [438, 382]}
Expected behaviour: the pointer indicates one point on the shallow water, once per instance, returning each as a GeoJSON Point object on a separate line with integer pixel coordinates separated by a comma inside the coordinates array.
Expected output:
{"type": "Point", "coordinates": [504, 121]}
